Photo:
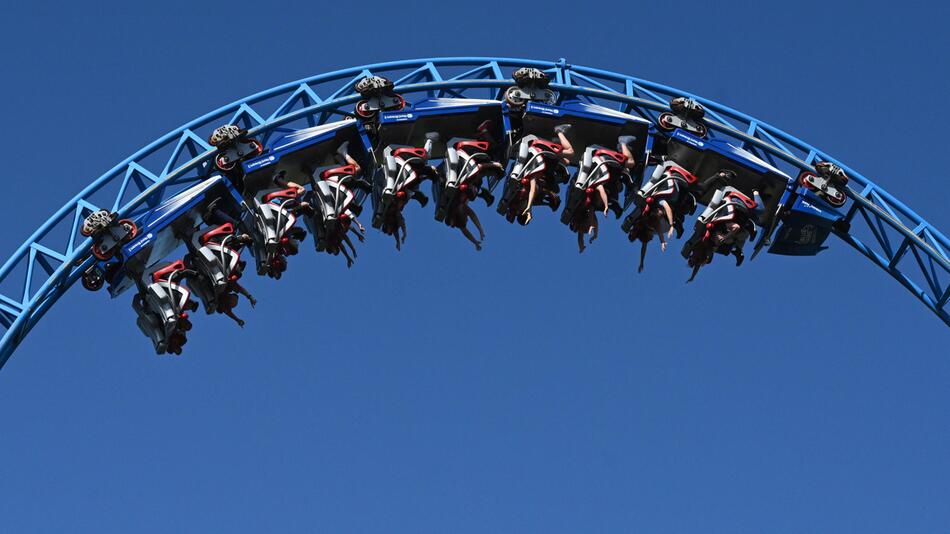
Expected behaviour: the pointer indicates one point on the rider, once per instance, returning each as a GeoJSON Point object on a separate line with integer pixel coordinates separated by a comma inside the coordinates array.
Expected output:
{"type": "Point", "coordinates": [605, 169]}
{"type": "Point", "coordinates": [657, 221]}
{"type": "Point", "coordinates": [467, 163]}
{"type": "Point", "coordinates": [347, 175]}
{"type": "Point", "coordinates": [215, 261]}
{"type": "Point", "coordinates": [459, 216]}
{"type": "Point", "coordinates": [359, 231]}
{"type": "Point", "coordinates": [723, 227]}
{"type": "Point", "coordinates": [564, 150]}
{"type": "Point", "coordinates": [585, 222]}
{"type": "Point", "coordinates": [404, 169]}
{"type": "Point", "coordinates": [350, 216]}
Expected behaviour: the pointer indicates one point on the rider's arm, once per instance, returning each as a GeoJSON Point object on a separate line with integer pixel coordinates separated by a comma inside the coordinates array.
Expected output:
{"type": "Point", "coordinates": [281, 180]}
{"type": "Point", "coordinates": [631, 161]}
{"type": "Point", "coordinates": [668, 211]}
{"type": "Point", "coordinates": [603, 197]}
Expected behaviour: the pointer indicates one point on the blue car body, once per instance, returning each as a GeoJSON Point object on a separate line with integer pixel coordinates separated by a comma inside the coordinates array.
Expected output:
{"type": "Point", "coordinates": [591, 125]}
{"type": "Point", "coordinates": [706, 157]}
{"type": "Point", "coordinates": [300, 152]}
{"type": "Point", "coordinates": [160, 229]}
{"type": "Point", "coordinates": [805, 226]}
{"type": "Point", "coordinates": [448, 117]}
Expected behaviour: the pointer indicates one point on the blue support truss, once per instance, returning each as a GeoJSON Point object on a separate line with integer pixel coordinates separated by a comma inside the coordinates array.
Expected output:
{"type": "Point", "coordinates": [45, 266]}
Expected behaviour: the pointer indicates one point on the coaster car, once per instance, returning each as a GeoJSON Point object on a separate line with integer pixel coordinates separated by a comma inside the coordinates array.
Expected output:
{"type": "Point", "coordinates": [406, 141]}
{"type": "Point", "coordinates": [705, 158]}
{"type": "Point", "coordinates": [298, 154]}
{"type": "Point", "coordinates": [275, 236]}
{"type": "Point", "coordinates": [724, 226]}
{"type": "Point", "coordinates": [590, 125]}
{"type": "Point", "coordinates": [555, 136]}
{"type": "Point", "coordinates": [162, 305]}
{"type": "Point", "coordinates": [160, 231]}
{"type": "Point", "coordinates": [477, 150]}
{"type": "Point", "coordinates": [803, 226]}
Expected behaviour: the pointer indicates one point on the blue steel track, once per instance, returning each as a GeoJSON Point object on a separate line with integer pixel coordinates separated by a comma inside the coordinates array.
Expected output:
{"type": "Point", "coordinates": [45, 266]}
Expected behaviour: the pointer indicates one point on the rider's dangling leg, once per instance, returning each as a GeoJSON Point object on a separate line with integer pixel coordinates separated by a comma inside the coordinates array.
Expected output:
{"type": "Point", "coordinates": [474, 217]}
{"type": "Point", "coordinates": [568, 149]}
{"type": "Point", "coordinates": [247, 294]}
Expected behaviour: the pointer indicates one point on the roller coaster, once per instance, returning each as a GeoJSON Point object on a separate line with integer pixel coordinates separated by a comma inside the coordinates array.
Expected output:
{"type": "Point", "coordinates": [172, 221]}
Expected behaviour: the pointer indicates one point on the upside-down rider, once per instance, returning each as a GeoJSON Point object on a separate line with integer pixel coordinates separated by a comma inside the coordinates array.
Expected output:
{"type": "Point", "coordinates": [403, 171]}
{"type": "Point", "coordinates": [348, 174]}
{"type": "Point", "coordinates": [466, 165]}
{"type": "Point", "coordinates": [216, 267]}
{"type": "Point", "coordinates": [458, 216]}
{"type": "Point", "coordinates": [723, 227]}
{"type": "Point", "coordinates": [541, 165]}
{"type": "Point", "coordinates": [601, 175]}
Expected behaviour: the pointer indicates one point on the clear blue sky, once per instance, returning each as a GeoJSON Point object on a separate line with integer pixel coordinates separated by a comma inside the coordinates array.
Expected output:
{"type": "Point", "coordinates": [418, 392]}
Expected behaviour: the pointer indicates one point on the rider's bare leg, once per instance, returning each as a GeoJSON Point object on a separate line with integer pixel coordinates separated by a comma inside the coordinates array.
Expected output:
{"type": "Point", "coordinates": [229, 309]}
{"type": "Point", "coordinates": [478, 224]}
{"type": "Point", "coordinates": [238, 320]}
{"type": "Point", "coordinates": [695, 271]}
{"type": "Point", "coordinates": [351, 161]}
{"type": "Point", "coordinates": [346, 241]}
{"type": "Point", "coordinates": [349, 260]}
{"type": "Point", "coordinates": [603, 197]}
{"type": "Point", "coordinates": [532, 190]}
{"type": "Point", "coordinates": [247, 294]}
{"type": "Point", "coordinates": [358, 230]}
{"type": "Point", "coordinates": [643, 254]}
{"type": "Point", "coordinates": [631, 160]}
{"type": "Point", "coordinates": [568, 147]}
{"type": "Point", "coordinates": [289, 184]}
{"type": "Point", "coordinates": [468, 235]}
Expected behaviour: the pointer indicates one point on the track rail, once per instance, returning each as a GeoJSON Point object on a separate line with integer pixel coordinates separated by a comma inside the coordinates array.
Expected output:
{"type": "Point", "coordinates": [47, 264]}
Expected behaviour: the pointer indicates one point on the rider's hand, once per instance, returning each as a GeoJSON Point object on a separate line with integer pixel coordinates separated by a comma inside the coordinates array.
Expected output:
{"type": "Point", "coordinates": [663, 246]}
